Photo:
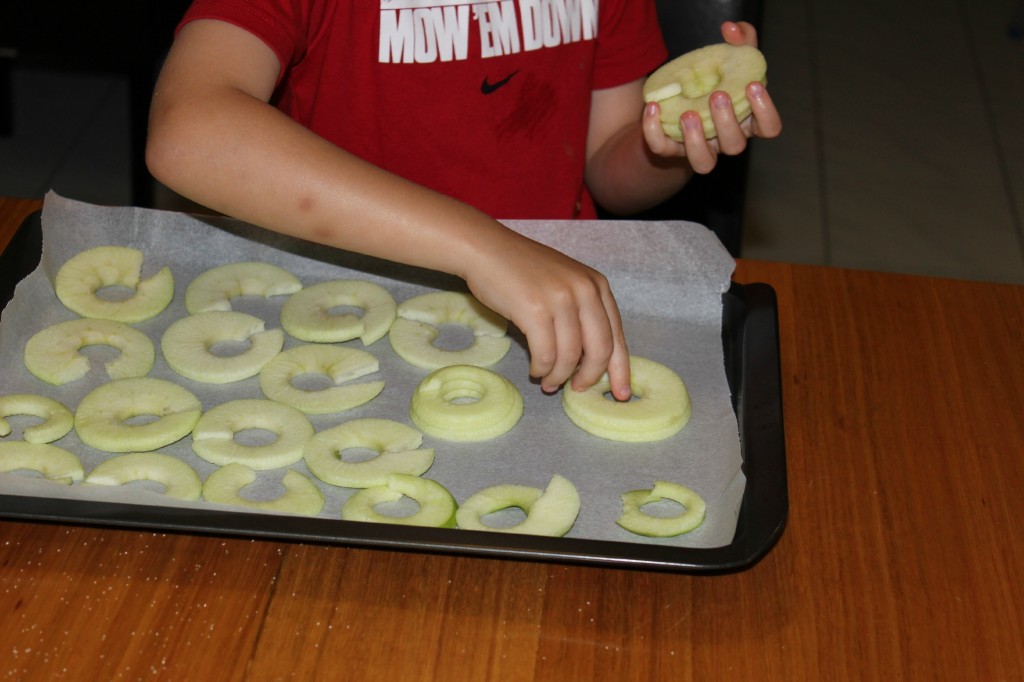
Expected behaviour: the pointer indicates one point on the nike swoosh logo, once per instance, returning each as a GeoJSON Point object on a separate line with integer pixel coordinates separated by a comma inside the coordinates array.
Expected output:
{"type": "Point", "coordinates": [487, 88]}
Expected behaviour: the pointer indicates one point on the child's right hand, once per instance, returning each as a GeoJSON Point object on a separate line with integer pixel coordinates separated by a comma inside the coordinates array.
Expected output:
{"type": "Point", "coordinates": [565, 308]}
{"type": "Point", "coordinates": [212, 124]}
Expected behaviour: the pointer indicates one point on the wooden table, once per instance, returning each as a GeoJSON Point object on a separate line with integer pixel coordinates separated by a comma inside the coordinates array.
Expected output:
{"type": "Point", "coordinates": [903, 558]}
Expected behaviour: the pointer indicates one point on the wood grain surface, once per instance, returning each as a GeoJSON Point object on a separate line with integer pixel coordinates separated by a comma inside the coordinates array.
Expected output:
{"type": "Point", "coordinates": [902, 559]}
{"type": "Point", "coordinates": [12, 213]}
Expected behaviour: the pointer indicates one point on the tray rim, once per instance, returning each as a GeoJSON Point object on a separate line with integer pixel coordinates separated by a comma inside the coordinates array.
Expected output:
{"type": "Point", "coordinates": [761, 520]}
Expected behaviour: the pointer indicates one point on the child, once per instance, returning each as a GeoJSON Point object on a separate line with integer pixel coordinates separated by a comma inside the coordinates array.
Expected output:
{"type": "Point", "coordinates": [397, 129]}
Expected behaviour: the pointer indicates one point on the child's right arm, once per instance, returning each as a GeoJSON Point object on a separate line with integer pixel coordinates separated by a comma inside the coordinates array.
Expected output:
{"type": "Point", "coordinates": [215, 139]}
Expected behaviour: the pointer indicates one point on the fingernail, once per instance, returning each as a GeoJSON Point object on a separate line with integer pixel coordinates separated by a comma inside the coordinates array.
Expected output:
{"type": "Point", "coordinates": [651, 109]}
{"type": "Point", "coordinates": [692, 122]}
{"type": "Point", "coordinates": [755, 90]}
{"type": "Point", "coordinates": [720, 100]}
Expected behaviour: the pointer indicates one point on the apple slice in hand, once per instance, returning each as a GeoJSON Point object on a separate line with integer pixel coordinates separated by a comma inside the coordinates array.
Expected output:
{"type": "Point", "coordinates": [686, 83]}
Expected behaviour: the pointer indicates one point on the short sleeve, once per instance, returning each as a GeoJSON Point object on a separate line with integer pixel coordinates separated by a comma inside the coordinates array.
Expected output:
{"type": "Point", "coordinates": [630, 44]}
{"type": "Point", "coordinates": [278, 23]}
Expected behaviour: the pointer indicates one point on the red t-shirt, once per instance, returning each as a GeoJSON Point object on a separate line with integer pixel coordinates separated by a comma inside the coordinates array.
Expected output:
{"type": "Point", "coordinates": [485, 101]}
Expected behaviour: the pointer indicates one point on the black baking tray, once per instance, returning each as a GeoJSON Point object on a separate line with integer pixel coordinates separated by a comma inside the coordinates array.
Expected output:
{"type": "Point", "coordinates": [751, 349]}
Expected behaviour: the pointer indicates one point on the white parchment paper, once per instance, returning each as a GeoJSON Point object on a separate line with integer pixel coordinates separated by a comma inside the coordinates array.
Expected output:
{"type": "Point", "coordinates": [668, 279]}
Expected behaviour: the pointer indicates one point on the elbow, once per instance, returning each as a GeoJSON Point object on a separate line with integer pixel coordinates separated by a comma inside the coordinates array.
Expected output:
{"type": "Point", "coordinates": [161, 160]}
{"type": "Point", "coordinates": [168, 145]}
{"type": "Point", "coordinates": [620, 205]}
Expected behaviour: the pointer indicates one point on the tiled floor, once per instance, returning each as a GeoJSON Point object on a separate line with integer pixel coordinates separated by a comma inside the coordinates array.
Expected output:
{"type": "Point", "coordinates": [903, 147]}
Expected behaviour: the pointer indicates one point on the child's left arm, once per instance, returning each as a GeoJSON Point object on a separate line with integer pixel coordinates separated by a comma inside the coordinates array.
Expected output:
{"type": "Point", "coordinates": [632, 165]}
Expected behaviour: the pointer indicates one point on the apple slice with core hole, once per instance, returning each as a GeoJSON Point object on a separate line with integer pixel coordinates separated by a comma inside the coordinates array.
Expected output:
{"type": "Point", "coordinates": [418, 326]}
{"type": "Point", "coordinates": [54, 463]}
{"type": "Point", "coordinates": [396, 445]}
{"type": "Point", "coordinates": [87, 272]}
{"type": "Point", "coordinates": [686, 83]}
{"type": "Point", "coordinates": [214, 289]}
{"type": "Point", "coordinates": [54, 354]}
{"type": "Point", "coordinates": [103, 418]}
{"type": "Point", "coordinates": [189, 343]}
{"type": "Point", "coordinates": [436, 506]}
{"type": "Point", "coordinates": [465, 403]}
{"type": "Point", "coordinates": [636, 520]}
{"type": "Point", "coordinates": [307, 315]}
{"type": "Point", "coordinates": [214, 435]}
{"type": "Point", "coordinates": [551, 512]}
{"type": "Point", "coordinates": [661, 406]}
{"type": "Point", "coordinates": [301, 496]}
{"type": "Point", "coordinates": [58, 420]}
{"type": "Point", "coordinates": [178, 479]}
{"type": "Point", "coordinates": [340, 364]}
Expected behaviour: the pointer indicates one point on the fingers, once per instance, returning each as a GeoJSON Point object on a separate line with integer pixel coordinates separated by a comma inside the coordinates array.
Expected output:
{"type": "Point", "coordinates": [612, 356]}
{"type": "Point", "coordinates": [603, 341]}
{"type": "Point", "coordinates": [577, 333]}
{"type": "Point", "coordinates": [739, 33]}
{"type": "Point", "coordinates": [766, 120]}
{"type": "Point", "coordinates": [618, 373]}
{"type": "Point", "coordinates": [730, 135]}
{"type": "Point", "coordinates": [702, 154]}
{"type": "Point", "coordinates": [569, 349]}
{"type": "Point", "coordinates": [564, 308]}
{"type": "Point", "coordinates": [654, 135]}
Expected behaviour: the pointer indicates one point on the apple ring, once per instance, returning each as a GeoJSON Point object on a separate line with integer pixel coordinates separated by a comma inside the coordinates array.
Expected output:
{"type": "Point", "coordinates": [466, 403]}
{"type": "Point", "coordinates": [416, 328]}
{"type": "Point", "coordinates": [57, 422]}
{"type": "Point", "coordinates": [635, 520]}
{"type": "Point", "coordinates": [215, 288]}
{"type": "Point", "coordinates": [685, 84]}
{"type": "Point", "coordinates": [213, 437]}
{"type": "Point", "coordinates": [306, 314]}
{"type": "Point", "coordinates": [397, 447]}
{"type": "Point", "coordinates": [436, 505]}
{"type": "Point", "coordinates": [301, 496]}
{"type": "Point", "coordinates": [550, 512]}
{"type": "Point", "coordinates": [54, 463]}
{"type": "Point", "coordinates": [179, 480]}
{"type": "Point", "coordinates": [187, 344]}
{"type": "Point", "coordinates": [101, 420]}
{"type": "Point", "coordinates": [661, 406]}
{"type": "Point", "coordinates": [339, 363]}
{"type": "Point", "coordinates": [88, 271]}
{"type": "Point", "coordinates": [53, 354]}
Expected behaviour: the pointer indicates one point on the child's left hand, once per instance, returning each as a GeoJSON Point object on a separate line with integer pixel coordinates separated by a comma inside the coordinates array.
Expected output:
{"type": "Point", "coordinates": [732, 136]}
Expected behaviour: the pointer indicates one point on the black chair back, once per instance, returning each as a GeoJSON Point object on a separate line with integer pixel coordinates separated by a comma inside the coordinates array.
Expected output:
{"type": "Point", "coordinates": [715, 200]}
